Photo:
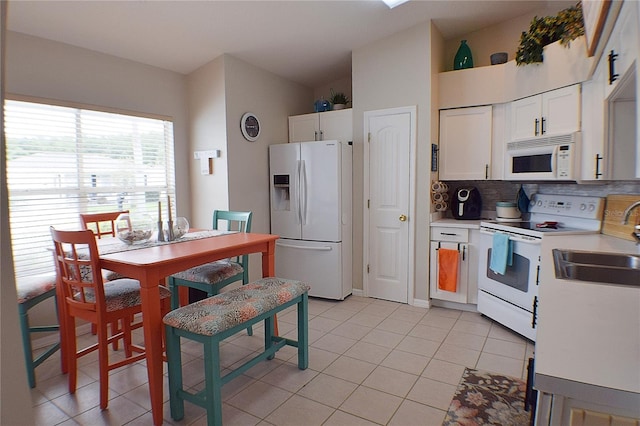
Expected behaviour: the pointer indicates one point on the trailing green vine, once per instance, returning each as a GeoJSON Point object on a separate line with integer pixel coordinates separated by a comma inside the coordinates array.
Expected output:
{"type": "Point", "coordinates": [566, 26]}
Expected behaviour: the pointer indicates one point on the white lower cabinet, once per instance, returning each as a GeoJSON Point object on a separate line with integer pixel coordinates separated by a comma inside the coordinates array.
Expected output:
{"type": "Point", "coordinates": [558, 410]}
{"type": "Point", "coordinates": [458, 239]}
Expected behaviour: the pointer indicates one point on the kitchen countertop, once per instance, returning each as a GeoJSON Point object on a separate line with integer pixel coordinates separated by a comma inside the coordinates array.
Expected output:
{"type": "Point", "coordinates": [456, 223]}
{"type": "Point", "coordinates": [588, 337]}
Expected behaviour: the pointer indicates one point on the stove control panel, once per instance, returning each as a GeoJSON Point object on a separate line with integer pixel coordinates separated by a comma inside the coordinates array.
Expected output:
{"type": "Point", "coordinates": [567, 205]}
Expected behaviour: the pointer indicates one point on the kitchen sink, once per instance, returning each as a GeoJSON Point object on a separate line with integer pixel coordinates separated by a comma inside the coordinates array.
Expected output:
{"type": "Point", "coordinates": [606, 268]}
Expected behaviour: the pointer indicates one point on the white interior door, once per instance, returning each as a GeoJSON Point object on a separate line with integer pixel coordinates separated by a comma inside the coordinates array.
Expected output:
{"type": "Point", "coordinates": [389, 221]}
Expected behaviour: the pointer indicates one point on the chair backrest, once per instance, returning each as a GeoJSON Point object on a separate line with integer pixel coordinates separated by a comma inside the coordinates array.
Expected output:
{"type": "Point", "coordinates": [78, 267]}
{"type": "Point", "coordinates": [236, 221]}
{"type": "Point", "coordinates": [101, 223]}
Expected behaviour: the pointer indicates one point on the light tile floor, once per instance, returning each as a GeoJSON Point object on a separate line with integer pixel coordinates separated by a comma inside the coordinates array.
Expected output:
{"type": "Point", "coordinates": [371, 362]}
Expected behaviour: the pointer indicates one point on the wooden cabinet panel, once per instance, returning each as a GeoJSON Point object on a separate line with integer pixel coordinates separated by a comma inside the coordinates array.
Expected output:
{"type": "Point", "coordinates": [465, 143]}
{"type": "Point", "coordinates": [322, 126]}
{"type": "Point", "coordinates": [547, 114]}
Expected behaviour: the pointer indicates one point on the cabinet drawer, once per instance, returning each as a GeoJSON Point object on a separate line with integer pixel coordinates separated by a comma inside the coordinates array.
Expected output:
{"type": "Point", "coordinates": [442, 233]}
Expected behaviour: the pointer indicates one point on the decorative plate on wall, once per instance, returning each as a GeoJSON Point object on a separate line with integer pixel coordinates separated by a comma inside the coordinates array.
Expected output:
{"type": "Point", "coordinates": [250, 126]}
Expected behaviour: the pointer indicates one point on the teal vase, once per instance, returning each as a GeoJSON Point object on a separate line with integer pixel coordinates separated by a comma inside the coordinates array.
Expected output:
{"type": "Point", "coordinates": [463, 57]}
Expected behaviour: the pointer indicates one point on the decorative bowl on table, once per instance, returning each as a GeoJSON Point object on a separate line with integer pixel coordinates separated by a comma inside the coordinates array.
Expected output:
{"type": "Point", "coordinates": [131, 229]}
{"type": "Point", "coordinates": [180, 227]}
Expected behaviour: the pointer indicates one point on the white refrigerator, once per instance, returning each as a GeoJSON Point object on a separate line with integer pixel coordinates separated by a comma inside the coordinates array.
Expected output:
{"type": "Point", "coordinates": [311, 203]}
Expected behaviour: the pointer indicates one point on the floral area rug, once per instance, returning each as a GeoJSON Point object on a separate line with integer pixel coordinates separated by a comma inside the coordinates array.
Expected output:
{"type": "Point", "coordinates": [488, 399]}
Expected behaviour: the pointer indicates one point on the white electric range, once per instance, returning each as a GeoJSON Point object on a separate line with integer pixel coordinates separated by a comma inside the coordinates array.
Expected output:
{"type": "Point", "coordinates": [512, 298]}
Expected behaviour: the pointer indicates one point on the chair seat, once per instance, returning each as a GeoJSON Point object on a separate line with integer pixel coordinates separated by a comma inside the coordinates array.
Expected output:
{"type": "Point", "coordinates": [121, 294]}
{"type": "Point", "coordinates": [224, 311]}
{"type": "Point", "coordinates": [30, 287]}
{"type": "Point", "coordinates": [211, 273]}
{"type": "Point", "coordinates": [110, 275]}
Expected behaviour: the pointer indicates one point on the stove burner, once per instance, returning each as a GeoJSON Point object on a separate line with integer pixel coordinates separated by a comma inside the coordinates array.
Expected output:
{"type": "Point", "coordinates": [548, 224]}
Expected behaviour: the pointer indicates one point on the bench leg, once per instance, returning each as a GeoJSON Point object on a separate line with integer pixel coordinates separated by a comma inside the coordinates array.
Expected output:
{"type": "Point", "coordinates": [174, 357]}
{"type": "Point", "coordinates": [303, 332]}
{"type": "Point", "coordinates": [268, 334]}
{"type": "Point", "coordinates": [213, 383]}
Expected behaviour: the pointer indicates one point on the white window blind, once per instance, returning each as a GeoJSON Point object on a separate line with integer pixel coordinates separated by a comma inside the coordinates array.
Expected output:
{"type": "Point", "coordinates": [63, 161]}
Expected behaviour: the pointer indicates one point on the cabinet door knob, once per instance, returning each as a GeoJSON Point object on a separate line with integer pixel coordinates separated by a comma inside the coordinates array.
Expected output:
{"type": "Point", "coordinates": [537, 124]}
{"type": "Point", "coordinates": [402, 218]}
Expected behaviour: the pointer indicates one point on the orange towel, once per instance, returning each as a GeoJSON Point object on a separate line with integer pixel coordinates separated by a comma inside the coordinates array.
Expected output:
{"type": "Point", "coordinates": [448, 269]}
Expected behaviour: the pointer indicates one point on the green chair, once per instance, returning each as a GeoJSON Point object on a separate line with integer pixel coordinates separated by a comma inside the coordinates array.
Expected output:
{"type": "Point", "coordinates": [213, 277]}
{"type": "Point", "coordinates": [33, 290]}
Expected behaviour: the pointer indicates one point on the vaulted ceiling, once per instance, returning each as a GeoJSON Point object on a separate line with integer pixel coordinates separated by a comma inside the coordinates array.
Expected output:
{"type": "Point", "coordinates": [309, 42]}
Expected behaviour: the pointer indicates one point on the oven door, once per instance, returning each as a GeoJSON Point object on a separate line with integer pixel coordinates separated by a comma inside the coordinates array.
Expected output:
{"type": "Point", "coordinates": [519, 285]}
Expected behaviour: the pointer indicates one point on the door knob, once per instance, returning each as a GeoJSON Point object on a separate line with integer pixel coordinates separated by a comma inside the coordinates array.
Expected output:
{"type": "Point", "coordinates": [402, 218]}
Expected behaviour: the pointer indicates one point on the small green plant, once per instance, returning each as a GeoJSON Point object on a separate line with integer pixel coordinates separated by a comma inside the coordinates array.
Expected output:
{"type": "Point", "coordinates": [338, 98]}
{"type": "Point", "coordinates": [566, 26]}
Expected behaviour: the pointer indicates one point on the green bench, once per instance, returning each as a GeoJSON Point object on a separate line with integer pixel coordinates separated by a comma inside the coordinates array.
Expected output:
{"type": "Point", "coordinates": [212, 320]}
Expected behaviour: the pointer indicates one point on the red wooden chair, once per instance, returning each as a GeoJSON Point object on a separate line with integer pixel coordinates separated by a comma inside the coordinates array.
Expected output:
{"type": "Point", "coordinates": [83, 294]}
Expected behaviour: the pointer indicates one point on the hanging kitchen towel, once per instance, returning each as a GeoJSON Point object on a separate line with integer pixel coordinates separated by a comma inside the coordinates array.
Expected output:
{"type": "Point", "coordinates": [448, 269]}
{"type": "Point", "coordinates": [501, 253]}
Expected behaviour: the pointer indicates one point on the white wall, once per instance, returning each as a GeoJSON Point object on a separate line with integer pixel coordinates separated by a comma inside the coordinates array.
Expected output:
{"type": "Point", "coordinates": [504, 37]}
{"type": "Point", "coordinates": [208, 131]}
{"type": "Point", "coordinates": [395, 72]}
{"type": "Point", "coordinates": [47, 69]}
{"type": "Point", "coordinates": [220, 93]}
{"type": "Point", "coordinates": [437, 48]}
{"type": "Point", "coordinates": [15, 401]}
{"type": "Point", "coordinates": [342, 85]}
{"type": "Point", "coordinates": [272, 99]}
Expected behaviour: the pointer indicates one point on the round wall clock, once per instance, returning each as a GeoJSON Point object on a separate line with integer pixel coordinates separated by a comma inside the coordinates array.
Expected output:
{"type": "Point", "coordinates": [250, 126]}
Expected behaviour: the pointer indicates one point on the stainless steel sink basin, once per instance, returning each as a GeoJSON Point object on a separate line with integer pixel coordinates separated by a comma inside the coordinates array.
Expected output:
{"type": "Point", "coordinates": [606, 268]}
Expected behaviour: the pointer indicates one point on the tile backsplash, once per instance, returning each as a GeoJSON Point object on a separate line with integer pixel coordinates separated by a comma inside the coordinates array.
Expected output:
{"type": "Point", "coordinates": [494, 191]}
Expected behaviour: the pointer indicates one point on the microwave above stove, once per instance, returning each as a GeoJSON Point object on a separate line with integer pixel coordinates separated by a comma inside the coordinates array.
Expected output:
{"type": "Point", "coordinates": [544, 158]}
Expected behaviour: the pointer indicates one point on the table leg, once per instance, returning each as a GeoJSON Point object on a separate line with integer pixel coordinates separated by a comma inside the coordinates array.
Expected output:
{"type": "Point", "coordinates": [152, 321]}
{"type": "Point", "coordinates": [269, 260]}
{"type": "Point", "coordinates": [269, 270]}
{"type": "Point", "coordinates": [183, 295]}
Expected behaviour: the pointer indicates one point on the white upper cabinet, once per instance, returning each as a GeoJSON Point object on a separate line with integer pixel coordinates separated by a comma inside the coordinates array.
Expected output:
{"type": "Point", "coordinates": [622, 48]}
{"type": "Point", "coordinates": [594, 163]}
{"type": "Point", "coordinates": [303, 128]}
{"type": "Point", "coordinates": [465, 143]}
{"type": "Point", "coordinates": [547, 114]}
{"type": "Point", "coordinates": [330, 125]}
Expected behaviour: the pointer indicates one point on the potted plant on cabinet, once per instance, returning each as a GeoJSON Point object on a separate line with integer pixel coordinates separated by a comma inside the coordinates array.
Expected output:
{"type": "Point", "coordinates": [566, 26]}
{"type": "Point", "coordinates": [339, 100]}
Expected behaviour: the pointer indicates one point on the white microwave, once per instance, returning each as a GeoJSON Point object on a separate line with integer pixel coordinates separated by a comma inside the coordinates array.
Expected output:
{"type": "Point", "coordinates": [546, 158]}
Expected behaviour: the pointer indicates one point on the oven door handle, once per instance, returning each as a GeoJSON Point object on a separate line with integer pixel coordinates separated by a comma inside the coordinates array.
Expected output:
{"type": "Point", "coordinates": [512, 237]}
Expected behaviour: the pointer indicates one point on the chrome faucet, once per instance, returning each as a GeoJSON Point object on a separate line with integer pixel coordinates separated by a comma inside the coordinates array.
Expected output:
{"type": "Point", "coordinates": [625, 220]}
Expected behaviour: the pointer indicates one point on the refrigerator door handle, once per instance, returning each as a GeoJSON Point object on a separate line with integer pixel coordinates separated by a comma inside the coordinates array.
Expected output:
{"type": "Point", "coordinates": [299, 195]}
{"type": "Point", "coordinates": [303, 193]}
{"type": "Point", "coordinates": [323, 248]}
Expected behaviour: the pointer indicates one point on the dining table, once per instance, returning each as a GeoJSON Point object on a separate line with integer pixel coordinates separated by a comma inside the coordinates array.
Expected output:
{"type": "Point", "coordinates": [151, 265]}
